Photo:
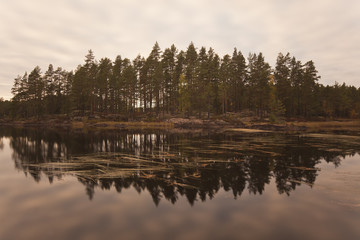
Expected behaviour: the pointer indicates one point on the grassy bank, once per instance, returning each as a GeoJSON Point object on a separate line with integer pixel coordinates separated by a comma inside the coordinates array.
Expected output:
{"type": "Point", "coordinates": [103, 124]}
{"type": "Point", "coordinates": [219, 123]}
{"type": "Point", "coordinates": [345, 125]}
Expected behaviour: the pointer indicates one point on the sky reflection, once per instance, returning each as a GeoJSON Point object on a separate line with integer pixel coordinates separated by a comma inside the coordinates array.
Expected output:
{"type": "Point", "coordinates": [61, 210]}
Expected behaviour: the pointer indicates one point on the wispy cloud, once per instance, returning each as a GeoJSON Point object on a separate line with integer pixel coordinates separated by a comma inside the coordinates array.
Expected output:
{"type": "Point", "coordinates": [40, 32]}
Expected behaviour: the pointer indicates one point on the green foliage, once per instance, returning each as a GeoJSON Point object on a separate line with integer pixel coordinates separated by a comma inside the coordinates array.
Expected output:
{"type": "Point", "coordinates": [170, 79]}
{"type": "Point", "coordinates": [184, 95]}
{"type": "Point", "coordinates": [238, 75]}
{"type": "Point", "coordinates": [5, 108]}
{"type": "Point", "coordinates": [190, 82]}
{"type": "Point", "coordinates": [276, 107]}
{"type": "Point", "coordinates": [259, 76]}
{"type": "Point", "coordinates": [283, 82]}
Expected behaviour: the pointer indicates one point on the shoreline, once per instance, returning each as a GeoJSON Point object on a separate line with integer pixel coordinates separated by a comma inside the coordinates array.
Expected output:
{"type": "Point", "coordinates": [342, 125]}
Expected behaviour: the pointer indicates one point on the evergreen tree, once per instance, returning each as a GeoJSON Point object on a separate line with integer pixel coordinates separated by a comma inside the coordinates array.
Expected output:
{"type": "Point", "coordinates": [201, 85]}
{"type": "Point", "coordinates": [259, 76]}
{"type": "Point", "coordinates": [49, 89]}
{"type": "Point", "coordinates": [184, 95]}
{"type": "Point", "coordinates": [276, 107]}
{"type": "Point", "coordinates": [114, 85]}
{"type": "Point", "coordinates": [90, 68]}
{"type": "Point", "coordinates": [66, 104]}
{"type": "Point", "coordinates": [296, 79]}
{"type": "Point", "coordinates": [20, 91]}
{"type": "Point", "coordinates": [190, 74]}
{"type": "Point", "coordinates": [187, 82]}
{"type": "Point", "coordinates": [308, 90]}
{"type": "Point", "coordinates": [153, 86]}
{"type": "Point", "coordinates": [170, 82]}
{"type": "Point", "coordinates": [158, 87]}
{"type": "Point", "coordinates": [224, 86]}
{"type": "Point", "coordinates": [102, 84]}
{"type": "Point", "coordinates": [282, 81]}
{"type": "Point", "coordinates": [138, 64]}
{"type": "Point", "coordinates": [130, 81]}
{"type": "Point", "coordinates": [179, 70]}
{"type": "Point", "coordinates": [35, 91]}
{"type": "Point", "coordinates": [212, 84]}
{"type": "Point", "coordinates": [237, 81]}
{"type": "Point", "coordinates": [80, 92]}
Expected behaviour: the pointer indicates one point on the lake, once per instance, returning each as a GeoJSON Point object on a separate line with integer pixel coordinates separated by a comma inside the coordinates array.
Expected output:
{"type": "Point", "coordinates": [159, 184]}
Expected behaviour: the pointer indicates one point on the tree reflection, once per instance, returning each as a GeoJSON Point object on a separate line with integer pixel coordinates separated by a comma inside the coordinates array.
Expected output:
{"type": "Point", "coordinates": [172, 166]}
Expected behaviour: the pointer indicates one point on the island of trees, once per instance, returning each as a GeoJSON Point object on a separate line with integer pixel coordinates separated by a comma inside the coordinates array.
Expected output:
{"type": "Point", "coordinates": [195, 82]}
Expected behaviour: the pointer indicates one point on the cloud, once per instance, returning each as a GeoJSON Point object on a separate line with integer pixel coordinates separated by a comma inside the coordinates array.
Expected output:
{"type": "Point", "coordinates": [41, 32]}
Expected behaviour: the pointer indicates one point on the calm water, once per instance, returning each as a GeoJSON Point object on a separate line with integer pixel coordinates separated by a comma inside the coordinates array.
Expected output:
{"type": "Point", "coordinates": [162, 185]}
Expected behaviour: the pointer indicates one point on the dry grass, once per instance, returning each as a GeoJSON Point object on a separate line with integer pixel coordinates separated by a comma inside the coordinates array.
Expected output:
{"type": "Point", "coordinates": [345, 125]}
{"type": "Point", "coordinates": [129, 125]}
{"type": "Point", "coordinates": [106, 165]}
{"type": "Point", "coordinates": [77, 124]}
{"type": "Point", "coordinates": [247, 130]}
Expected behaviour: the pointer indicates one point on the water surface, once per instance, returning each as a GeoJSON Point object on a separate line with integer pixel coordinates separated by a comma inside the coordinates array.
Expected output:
{"type": "Point", "coordinates": [166, 185]}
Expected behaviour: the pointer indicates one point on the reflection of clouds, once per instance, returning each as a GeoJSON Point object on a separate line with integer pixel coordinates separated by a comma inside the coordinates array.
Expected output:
{"type": "Point", "coordinates": [61, 210]}
{"type": "Point", "coordinates": [39, 33]}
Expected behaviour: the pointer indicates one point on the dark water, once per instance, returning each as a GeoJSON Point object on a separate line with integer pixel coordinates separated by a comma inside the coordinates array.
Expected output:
{"type": "Point", "coordinates": [162, 185]}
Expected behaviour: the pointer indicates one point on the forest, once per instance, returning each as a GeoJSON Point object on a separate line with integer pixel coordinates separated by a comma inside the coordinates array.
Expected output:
{"type": "Point", "coordinates": [195, 82]}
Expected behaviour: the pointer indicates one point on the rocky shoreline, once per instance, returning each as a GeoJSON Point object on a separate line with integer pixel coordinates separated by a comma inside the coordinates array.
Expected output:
{"type": "Point", "coordinates": [177, 123]}
{"type": "Point", "coordinates": [191, 124]}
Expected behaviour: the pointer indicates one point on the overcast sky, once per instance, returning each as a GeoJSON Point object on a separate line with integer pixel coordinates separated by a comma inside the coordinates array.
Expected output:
{"type": "Point", "coordinates": [60, 32]}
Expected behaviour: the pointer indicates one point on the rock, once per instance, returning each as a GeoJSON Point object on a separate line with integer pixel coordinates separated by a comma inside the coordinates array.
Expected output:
{"type": "Point", "coordinates": [197, 123]}
{"type": "Point", "coordinates": [93, 117]}
{"type": "Point", "coordinates": [220, 122]}
{"type": "Point", "coordinates": [186, 123]}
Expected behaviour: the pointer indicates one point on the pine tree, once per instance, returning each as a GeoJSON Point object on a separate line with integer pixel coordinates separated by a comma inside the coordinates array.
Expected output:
{"type": "Point", "coordinates": [18, 87]}
{"type": "Point", "coordinates": [190, 74]}
{"type": "Point", "coordinates": [276, 107]}
{"type": "Point", "coordinates": [104, 73]}
{"type": "Point", "coordinates": [259, 76]}
{"type": "Point", "coordinates": [179, 70]}
{"type": "Point", "coordinates": [80, 93]}
{"type": "Point", "coordinates": [90, 68]}
{"type": "Point", "coordinates": [114, 85]}
{"type": "Point", "coordinates": [201, 85]}
{"type": "Point", "coordinates": [224, 86]}
{"type": "Point", "coordinates": [296, 79]}
{"type": "Point", "coordinates": [308, 90]}
{"type": "Point", "coordinates": [211, 85]}
{"type": "Point", "coordinates": [158, 87]}
{"type": "Point", "coordinates": [153, 85]}
{"type": "Point", "coordinates": [186, 82]}
{"type": "Point", "coordinates": [170, 83]}
{"type": "Point", "coordinates": [184, 96]}
{"type": "Point", "coordinates": [282, 81]}
{"type": "Point", "coordinates": [237, 81]}
{"type": "Point", "coordinates": [35, 91]}
{"type": "Point", "coordinates": [130, 82]}
{"type": "Point", "coordinates": [138, 64]}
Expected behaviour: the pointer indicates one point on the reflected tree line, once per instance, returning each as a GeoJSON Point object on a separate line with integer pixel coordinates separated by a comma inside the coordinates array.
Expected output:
{"type": "Point", "coordinates": [194, 166]}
